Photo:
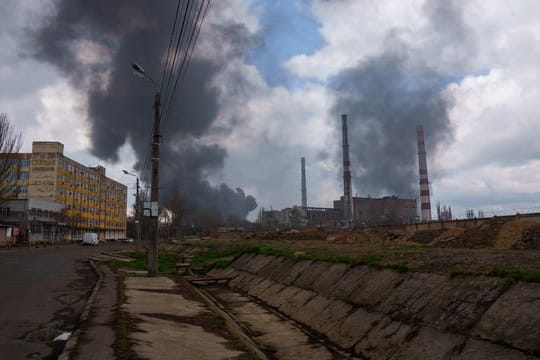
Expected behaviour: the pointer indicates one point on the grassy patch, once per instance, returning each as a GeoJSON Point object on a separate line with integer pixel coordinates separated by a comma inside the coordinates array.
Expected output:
{"type": "Point", "coordinates": [372, 260]}
{"type": "Point", "coordinates": [533, 276]}
{"type": "Point", "coordinates": [166, 264]}
{"type": "Point", "coordinates": [463, 272]}
{"type": "Point", "coordinates": [399, 266]}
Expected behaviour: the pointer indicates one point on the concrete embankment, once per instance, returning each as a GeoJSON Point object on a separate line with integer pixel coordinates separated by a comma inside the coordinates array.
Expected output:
{"type": "Point", "coordinates": [384, 314]}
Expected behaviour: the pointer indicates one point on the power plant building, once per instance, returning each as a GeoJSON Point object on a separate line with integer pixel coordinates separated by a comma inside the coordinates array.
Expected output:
{"type": "Point", "coordinates": [387, 210]}
{"type": "Point", "coordinates": [54, 198]}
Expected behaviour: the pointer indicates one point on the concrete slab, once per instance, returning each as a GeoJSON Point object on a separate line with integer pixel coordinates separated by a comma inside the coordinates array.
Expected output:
{"type": "Point", "coordinates": [273, 265]}
{"type": "Point", "coordinates": [276, 298]}
{"type": "Point", "coordinates": [147, 283]}
{"type": "Point", "coordinates": [514, 318]}
{"type": "Point", "coordinates": [412, 295]}
{"type": "Point", "coordinates": [298, 300]}
{"type": "Point", "coordinates": [483, 350]}
{"type": "Point", "coordinates": [430, 344]}
{"type": "Point", "coordinates": [168, 340]}
{"type": "Point", "coordinates": [283, 271]}
{"type": "Point", "coordinates": [314, 308]}
{"type": "Point", "coordinates": [353, 328]}
{"type": "Point", "coordinates": [296, 270]}
{"type": "Point", "coordinates": [172, 322]}
{"type": "Point", "coordinates": [240, 262]}
{"type": "Point", "coordinates": [311, 274]}
{"type": "Point", "coordinates": [384, 339]}
{"type": "Point", "coordinates": [461, 301]}
{"type": "Point", "coordinates": [344, 287]}
{"type": "Point", "coordinates": [260, 287]}
{"type": "Point", "coordinates": [328, 279]}
{"type": "Point", "coordinates": [257, 263]}
{"type": "Point", "coordinates": [279, 338]}
{"type": "Point", "coordinates": [375, 287]}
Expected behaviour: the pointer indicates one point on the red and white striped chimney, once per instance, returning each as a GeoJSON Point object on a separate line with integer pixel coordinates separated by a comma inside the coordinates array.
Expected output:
{"type": "Point", "coordinates": [425, 204]}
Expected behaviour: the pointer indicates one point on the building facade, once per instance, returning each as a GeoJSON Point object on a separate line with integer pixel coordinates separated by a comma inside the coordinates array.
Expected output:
{"type": "Point", "coordinates": [75, 198]}
{"type": "Point", "coordinates": [388, 210]}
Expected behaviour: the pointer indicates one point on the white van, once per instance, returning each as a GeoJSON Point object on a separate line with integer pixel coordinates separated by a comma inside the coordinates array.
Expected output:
{"type": "Point", "coordinates": [90, 239]}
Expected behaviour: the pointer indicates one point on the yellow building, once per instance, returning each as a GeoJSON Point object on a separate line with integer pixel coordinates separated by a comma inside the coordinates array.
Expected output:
{"type": "Point", "coordinates": [90, 201]}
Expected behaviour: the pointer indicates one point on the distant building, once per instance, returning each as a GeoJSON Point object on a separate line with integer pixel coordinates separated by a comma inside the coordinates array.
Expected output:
{"type": "Point", "coordinates": [299, 217]}
{"type": "Point", "coordinates": [55, 198]}
{"type": "Point", "coordinates": [378, 211]}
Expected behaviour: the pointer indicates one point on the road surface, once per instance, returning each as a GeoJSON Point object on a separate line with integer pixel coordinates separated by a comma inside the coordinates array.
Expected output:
{"type": "Point", "coordinates": [43, 292]}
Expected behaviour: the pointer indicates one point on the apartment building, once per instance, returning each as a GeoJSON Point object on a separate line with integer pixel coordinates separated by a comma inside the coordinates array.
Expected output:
{"type": "Point", "coordinates": [55, 198]}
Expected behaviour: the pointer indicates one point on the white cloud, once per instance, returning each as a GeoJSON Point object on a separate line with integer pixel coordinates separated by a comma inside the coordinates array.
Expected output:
{"type": "Point", "coordinates": [354, 30]}
{"type": "Point", "coordinates": [266, 130]}
{"type": "Point", "coordinates": [62, 117]}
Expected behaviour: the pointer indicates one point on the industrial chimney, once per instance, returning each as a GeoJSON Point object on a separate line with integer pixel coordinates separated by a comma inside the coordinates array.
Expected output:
{"type": "Point", "coordinates": [348, 211]}
{"type": "Point", "coordinates": [304, 192]}
{"type": "Point", "coordinates": [425, 204]}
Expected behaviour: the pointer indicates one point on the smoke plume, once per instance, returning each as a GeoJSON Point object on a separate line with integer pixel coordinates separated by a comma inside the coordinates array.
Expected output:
{"type": "Point", "coordinates": [94, 43]}
{"type": "Point", "coordinates": [387, 95]}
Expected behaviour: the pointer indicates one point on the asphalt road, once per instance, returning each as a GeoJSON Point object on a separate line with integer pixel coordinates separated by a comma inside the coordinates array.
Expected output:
{"type": "Point", "coordinates": [42, 293]}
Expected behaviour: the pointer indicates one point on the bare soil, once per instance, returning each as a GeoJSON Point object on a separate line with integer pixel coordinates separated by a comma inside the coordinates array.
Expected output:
{"type": "Point", "coordinates": [513, 245]}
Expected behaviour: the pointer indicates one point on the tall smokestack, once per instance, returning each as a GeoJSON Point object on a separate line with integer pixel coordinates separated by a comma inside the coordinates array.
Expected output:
{"type": "Point", "coordinates": [304, 191]}
{"type": "Point", "coordinates": [348, 211]}
{"type": "Point", "coordinates": [425, 204]}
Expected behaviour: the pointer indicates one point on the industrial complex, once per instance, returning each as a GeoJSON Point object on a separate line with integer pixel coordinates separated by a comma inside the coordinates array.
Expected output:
{"type": "Point", "coordinates": [349, 210]}
{"type": "Point", "coordinates": [55, 198]}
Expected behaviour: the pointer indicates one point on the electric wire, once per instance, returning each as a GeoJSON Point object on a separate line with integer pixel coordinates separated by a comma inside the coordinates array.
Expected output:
{"type": "Point", "coordinates": [193, 37]}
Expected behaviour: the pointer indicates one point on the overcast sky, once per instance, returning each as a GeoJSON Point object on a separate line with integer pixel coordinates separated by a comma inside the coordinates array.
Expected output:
{"type": "Point", "coordinates": [466, 70]}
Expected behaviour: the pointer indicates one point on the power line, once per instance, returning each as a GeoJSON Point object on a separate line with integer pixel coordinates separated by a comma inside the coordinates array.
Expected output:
{"type": "Point", "coordinates": [193, 36]}
{"type": "Point", "coordinates": [171, 37]}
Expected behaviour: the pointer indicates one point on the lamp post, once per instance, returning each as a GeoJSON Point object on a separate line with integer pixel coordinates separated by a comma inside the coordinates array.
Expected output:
{"type": "Point", "coordinates": [137, 209]}
{"type": "Point", "coordinates": [154, 193]}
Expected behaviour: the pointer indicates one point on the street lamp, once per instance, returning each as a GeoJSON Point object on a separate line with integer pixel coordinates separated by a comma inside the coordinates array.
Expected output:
{"type": "Point", "coordinates": [154, 193]}
{"type": "Point", "coordinates": [137, 208]}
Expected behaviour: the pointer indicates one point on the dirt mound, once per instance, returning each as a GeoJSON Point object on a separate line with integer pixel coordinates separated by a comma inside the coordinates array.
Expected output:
{"type": "Point", "coordinates": [511, 233]}
{"type": "Point", "coordinates": [482, 236]}
{"type": "Point", "coordinates": [354, 236]}
{"type": "Point", "coordinates": [425, 236]}
{"type": "Point", "coordinates": [448, 237]}
{"type": "Point", "coordinates": [307, 234]}
{"type": "Point", "coordinates": [530, 239]}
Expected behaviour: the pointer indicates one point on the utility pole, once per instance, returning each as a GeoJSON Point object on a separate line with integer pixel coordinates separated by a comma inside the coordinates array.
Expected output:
{"type": "Point", "coordinates": [154, 194]}
{"type": "Point", "coordinates": [138, 214]}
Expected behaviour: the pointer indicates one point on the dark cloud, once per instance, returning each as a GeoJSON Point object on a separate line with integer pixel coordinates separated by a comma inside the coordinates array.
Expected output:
{"type": "Point", "coordinates": [127, 31]}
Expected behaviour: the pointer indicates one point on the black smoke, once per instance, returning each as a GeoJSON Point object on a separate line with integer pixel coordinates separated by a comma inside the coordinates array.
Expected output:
{"type": "Point", "coordinates": [386, 96]}
{"type": "Point", "coordinates": [384, 102]}
{"type": "Point", "coordinates": [120, 105]}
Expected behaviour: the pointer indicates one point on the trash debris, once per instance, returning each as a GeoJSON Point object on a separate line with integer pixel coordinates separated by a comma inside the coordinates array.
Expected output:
{"type": "Point", "coordinates": [63, 336]}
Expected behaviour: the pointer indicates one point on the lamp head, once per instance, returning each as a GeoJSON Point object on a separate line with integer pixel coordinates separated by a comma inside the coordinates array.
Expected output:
{"type": "Point", "coordinates": [138, 68]}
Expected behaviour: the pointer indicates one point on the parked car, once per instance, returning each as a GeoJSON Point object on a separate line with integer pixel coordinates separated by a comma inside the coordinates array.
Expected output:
{"type": "Point", "coordinates": [128, 240]}
{"type": "Point", "coordinates": [90, 239]}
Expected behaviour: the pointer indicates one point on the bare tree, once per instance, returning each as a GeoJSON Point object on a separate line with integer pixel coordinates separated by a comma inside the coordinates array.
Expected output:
{"type": "Point", "coordinates": [10, 142]}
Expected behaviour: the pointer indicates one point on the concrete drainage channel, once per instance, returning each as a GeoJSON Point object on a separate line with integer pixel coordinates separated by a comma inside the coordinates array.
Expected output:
{"type": "Point", "coordinates": [268, 334]}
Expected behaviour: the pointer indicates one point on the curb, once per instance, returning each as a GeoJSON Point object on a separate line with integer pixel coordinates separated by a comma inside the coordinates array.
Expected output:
{"type": "Point", "coordinates": [231, 323]}
{"type": "Point", "coordinates": [72, 342]}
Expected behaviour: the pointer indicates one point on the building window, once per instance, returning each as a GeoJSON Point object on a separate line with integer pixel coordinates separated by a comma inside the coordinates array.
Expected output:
{"type": "Point", "coordinates": [24, 176]}
{"type": "Point", "coordinates": [5, 211]}
{"type": "Point", "coordinates": [25, 163]}
{"type": "Point", "coordinates": [22, 189]}
{"type": "Point", "coordinates": [35, 229]}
